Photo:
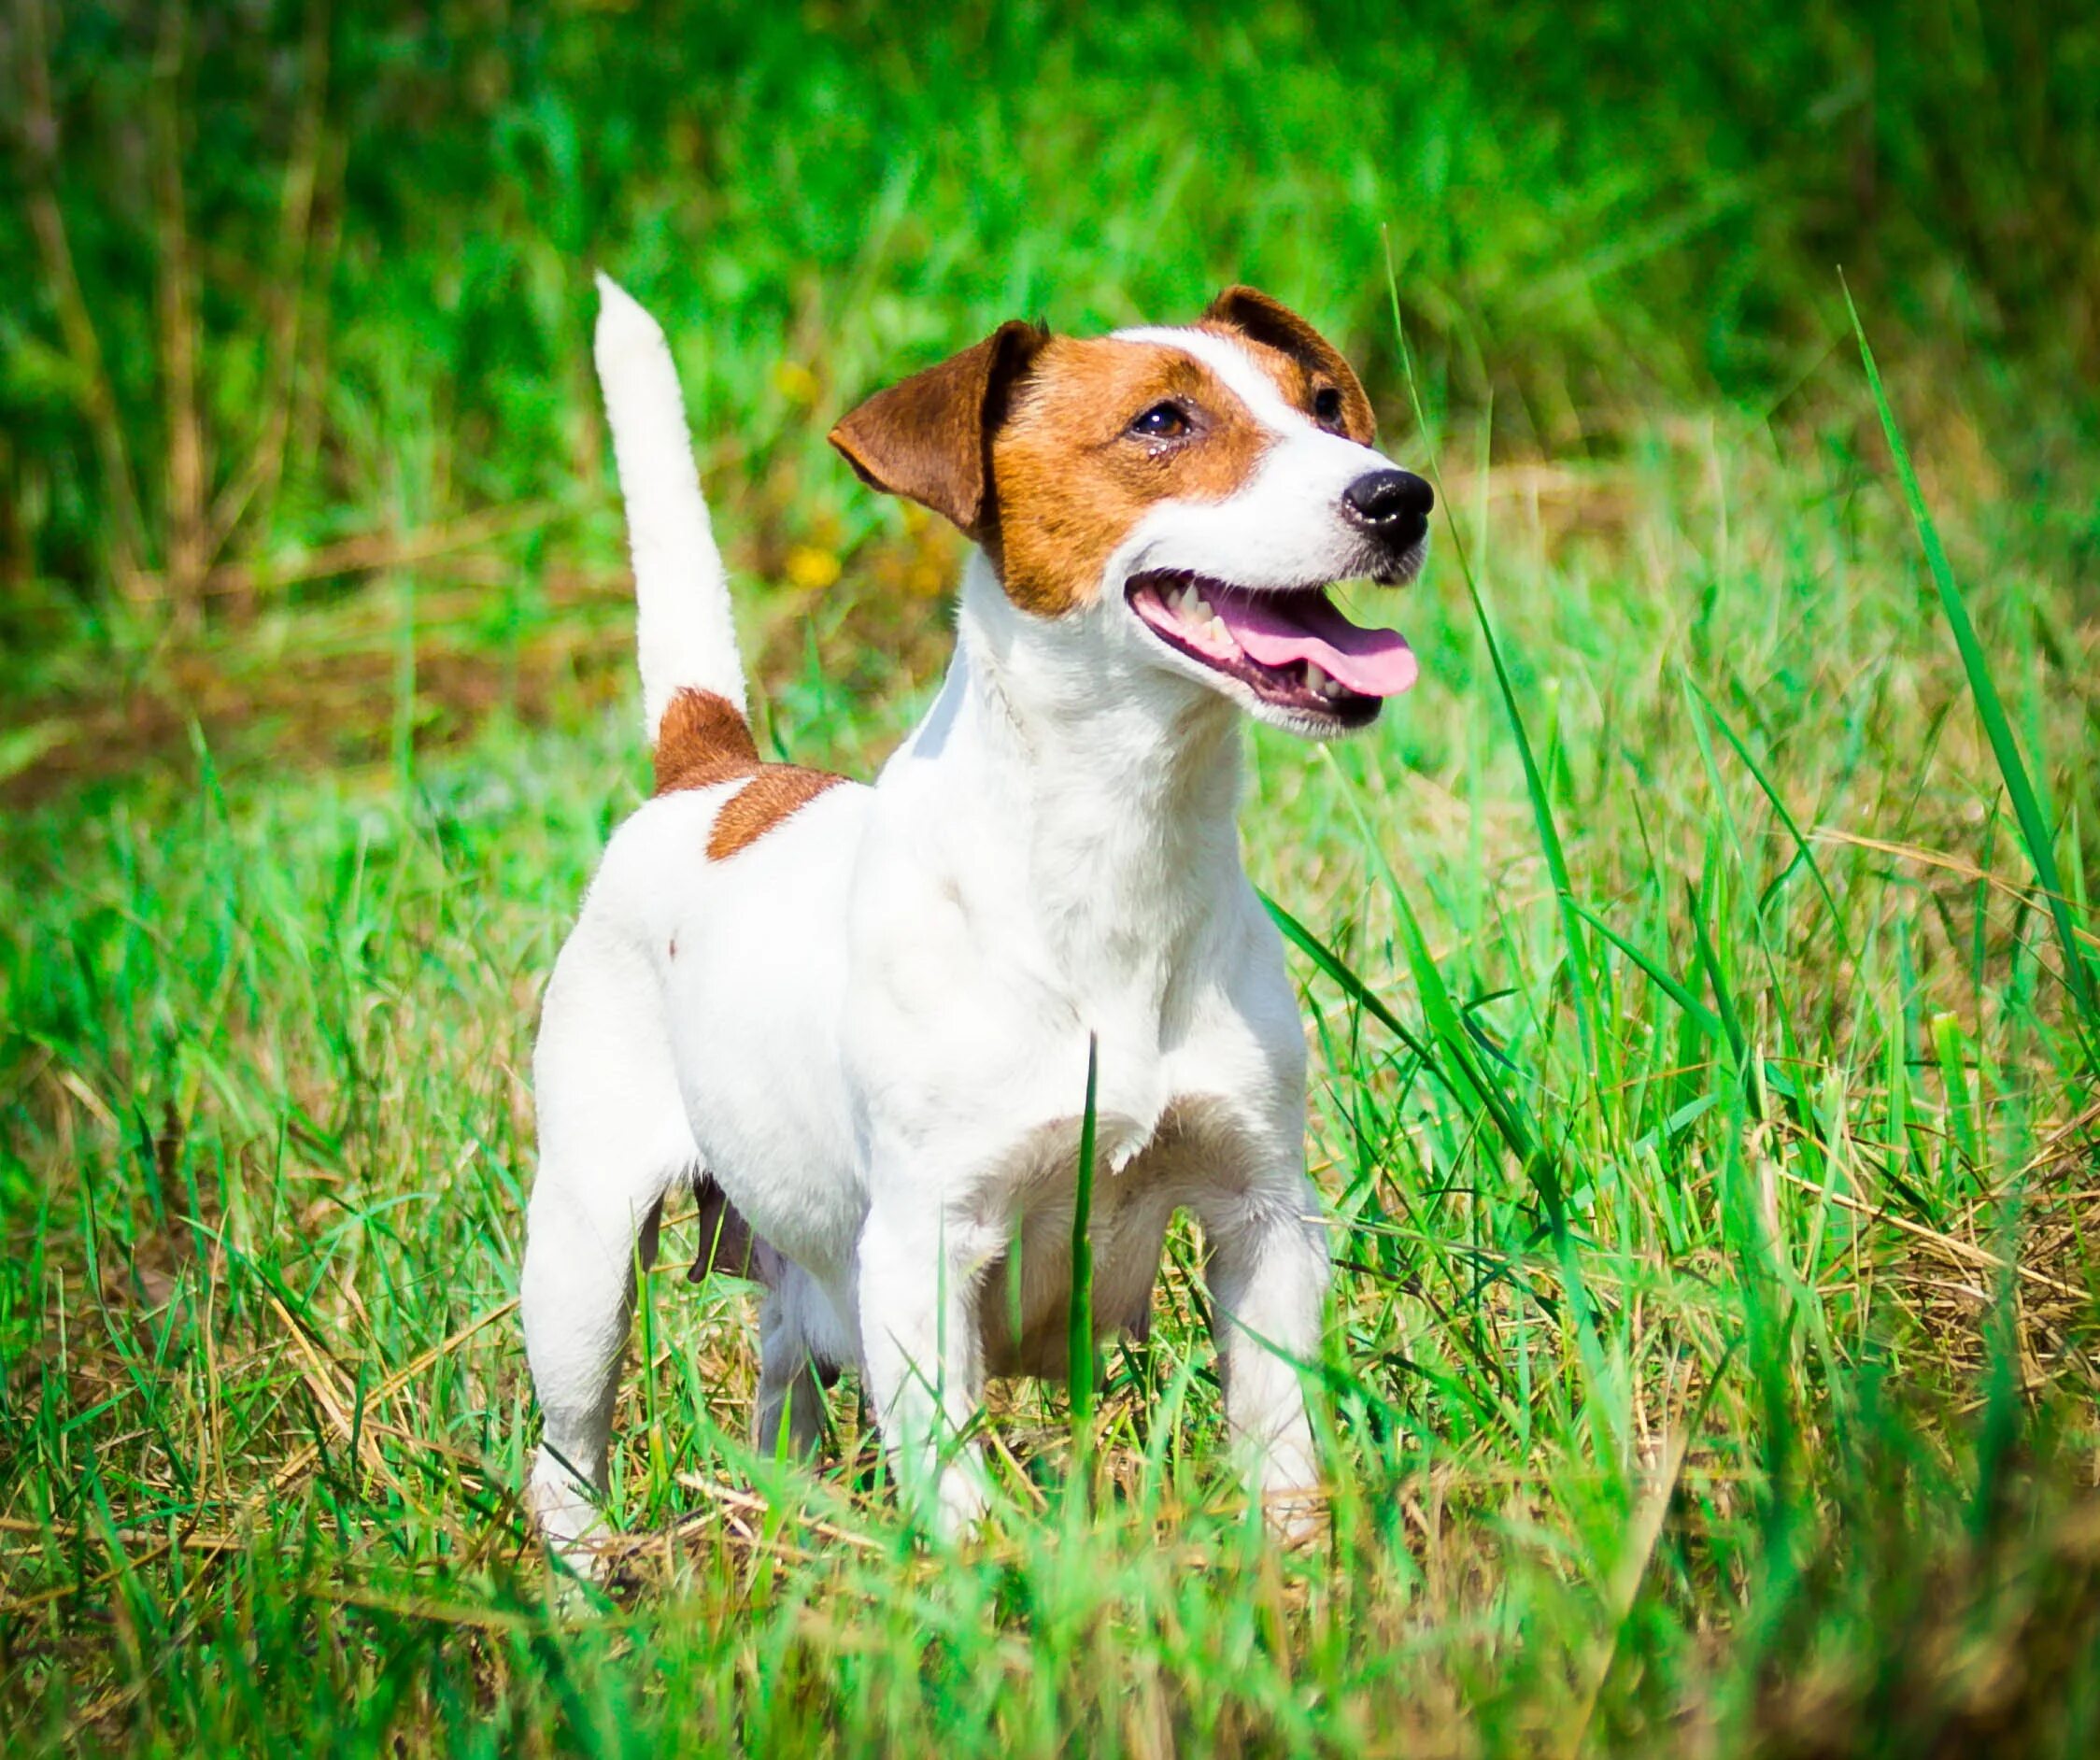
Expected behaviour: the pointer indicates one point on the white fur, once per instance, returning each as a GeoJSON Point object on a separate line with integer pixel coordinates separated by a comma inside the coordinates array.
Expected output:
{"type": "Point", "coordinates": [871, 1026]}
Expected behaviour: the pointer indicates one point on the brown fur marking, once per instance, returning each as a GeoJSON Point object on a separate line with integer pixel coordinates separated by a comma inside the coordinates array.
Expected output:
{"type": "Point", "coordinates": [1071, 479]}
{"type": "Point", "coordinates": [1294, 354]}
{"type": "Point", "coordinates": [702, 741]}
{"type": "Point", "coordinates": [1023, 441]}
{"type": "Point", "coordinates": [925, 438]}
{"type": "Point", "coordinates": [771, 796]}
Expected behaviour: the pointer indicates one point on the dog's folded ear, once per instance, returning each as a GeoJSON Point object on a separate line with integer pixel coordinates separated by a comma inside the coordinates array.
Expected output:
{"type": "Point", "coordinates": [929, 438]}
{"type": "Point", "coordinates": [1260, 318]}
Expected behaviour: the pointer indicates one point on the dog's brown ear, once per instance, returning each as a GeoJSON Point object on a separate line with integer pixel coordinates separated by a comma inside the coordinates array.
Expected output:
{"type": "Point", "coordinates": [929, 438]}
{"type": "Point", "coordinates": [1256, 316]}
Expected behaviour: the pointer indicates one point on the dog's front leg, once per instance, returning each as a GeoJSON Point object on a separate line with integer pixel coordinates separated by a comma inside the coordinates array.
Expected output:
{"type": "Point", "coordinates": [922, 1358]}
{"type": "Point", "coordinates": [1267, 1269]}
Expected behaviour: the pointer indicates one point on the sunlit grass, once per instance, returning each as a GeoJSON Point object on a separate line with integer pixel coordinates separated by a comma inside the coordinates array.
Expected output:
{"type": "Point", "coordinates": [1709, 1358]}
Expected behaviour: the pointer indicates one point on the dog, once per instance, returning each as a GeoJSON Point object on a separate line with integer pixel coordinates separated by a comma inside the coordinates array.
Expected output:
{"type": "Point", "coordinates": [860, 1022]}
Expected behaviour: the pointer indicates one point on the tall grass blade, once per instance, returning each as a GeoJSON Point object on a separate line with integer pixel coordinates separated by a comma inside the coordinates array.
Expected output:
{"type": "Point", "coordinates": [1079, 1338]}
{"type": "Point", "coordinates": [1534, 779]}
{"type": "Point", "coordinates": [1710, 963]}
{"type": "Point", "coordinates": [2028, 807]}
{"type": "Point", "coordinates": [1803, 854]}
{"type": "Point", "coordinates": [1453, 1033]}
{"type": "Point", "coordinates": [1351, 986]}
{"type": "Point", "coordinates": [1701, 1016]}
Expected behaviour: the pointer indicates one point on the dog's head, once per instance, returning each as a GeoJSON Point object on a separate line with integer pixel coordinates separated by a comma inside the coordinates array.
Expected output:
{"type": "Point", "coordinates": [1193, 491]}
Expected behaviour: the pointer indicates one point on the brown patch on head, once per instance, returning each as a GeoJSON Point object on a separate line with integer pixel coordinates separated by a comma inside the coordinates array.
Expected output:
{"type": "Point", "coordinates": [1303, 363]}
{"type": "Point", "coordinates": [704, 740]}
{"type": "Point", "coordinates": [928, 437]}
{"type": "Point", "coordinates": [1025, 441]}
{"type": "Point", "coordinates": [1072, 478]}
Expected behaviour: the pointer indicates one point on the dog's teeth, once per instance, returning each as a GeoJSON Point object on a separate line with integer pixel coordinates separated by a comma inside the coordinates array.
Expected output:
{"type": "Point", "coordinates": [1202, 607]}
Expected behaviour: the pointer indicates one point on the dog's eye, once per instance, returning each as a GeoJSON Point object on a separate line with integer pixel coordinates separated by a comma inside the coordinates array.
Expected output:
{"type": "Point", "coordinates": [1326, 406]}
{"type": "Point", "coordinates": [1162, 421]}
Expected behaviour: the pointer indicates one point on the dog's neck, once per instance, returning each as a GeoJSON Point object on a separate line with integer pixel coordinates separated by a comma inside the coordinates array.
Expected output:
{"type": "Point", "coordinates": [1117, 780]}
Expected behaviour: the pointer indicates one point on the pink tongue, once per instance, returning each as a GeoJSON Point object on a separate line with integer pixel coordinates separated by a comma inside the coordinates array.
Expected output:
{"type": "Point", "coordinates": [1281, 629]}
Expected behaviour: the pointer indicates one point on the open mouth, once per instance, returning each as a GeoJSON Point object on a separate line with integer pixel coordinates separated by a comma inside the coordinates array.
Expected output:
{"type": "Point", "coordinates": [1292, 648]}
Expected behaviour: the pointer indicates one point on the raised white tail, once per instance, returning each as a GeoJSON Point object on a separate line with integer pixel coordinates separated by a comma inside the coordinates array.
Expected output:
{"type": "Point", "coordinates": [684, 636]}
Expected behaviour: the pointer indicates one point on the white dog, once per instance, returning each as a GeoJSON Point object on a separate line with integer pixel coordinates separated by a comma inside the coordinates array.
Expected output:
{"type": "Point", "coordinates": [854, 1020]}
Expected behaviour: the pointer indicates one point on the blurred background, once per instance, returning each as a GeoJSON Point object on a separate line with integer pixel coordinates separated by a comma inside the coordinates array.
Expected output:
{"type": "Point", "coordinates": [299, 445]}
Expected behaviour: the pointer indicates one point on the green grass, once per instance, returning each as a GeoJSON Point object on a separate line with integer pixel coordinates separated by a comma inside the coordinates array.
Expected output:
{"type": "Point", "coordinates": [1721, 1377]}
{"type": "Point", "coordinates": [1698, 964]}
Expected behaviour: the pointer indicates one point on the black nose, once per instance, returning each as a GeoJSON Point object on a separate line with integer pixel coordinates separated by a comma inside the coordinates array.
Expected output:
{"type": "Point", "coordinates": [1392, 505]}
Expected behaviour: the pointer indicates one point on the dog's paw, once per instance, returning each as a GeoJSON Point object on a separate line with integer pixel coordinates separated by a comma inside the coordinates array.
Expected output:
{"type": "Point", "coordinates": [1294, 1503]}
{"type": "Point", "coordinates": [568, 1519]}
{"type": "Point", "coordinates": [1295, 1516]}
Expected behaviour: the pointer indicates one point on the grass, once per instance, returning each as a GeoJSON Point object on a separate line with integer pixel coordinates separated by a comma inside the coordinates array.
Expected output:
{"type": "Point", "coordinates": [1721, 1378]}
{"type": "Point", "coordinates": [1697, 963]}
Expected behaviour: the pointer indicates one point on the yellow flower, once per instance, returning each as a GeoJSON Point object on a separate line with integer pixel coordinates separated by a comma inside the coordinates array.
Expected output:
{"type": "Point", "coordinates": [812, 568]}
{"type": "Point", "coordinates": [795, 382]}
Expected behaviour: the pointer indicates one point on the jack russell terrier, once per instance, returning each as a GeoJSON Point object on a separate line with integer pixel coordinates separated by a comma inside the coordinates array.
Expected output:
{"type": "Point", "coordinates": [854, 1020]}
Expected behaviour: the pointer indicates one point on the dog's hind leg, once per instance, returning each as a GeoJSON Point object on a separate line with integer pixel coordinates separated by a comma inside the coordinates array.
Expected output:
{"type": "Point", "coordinates": [795, 1359]}
{"type": "Point", "coordinates": [789, 1413]}
{"type": "Point", "coordinates": [614, 1139]}
{"type": "Point", "coordinates": [791, 1325]}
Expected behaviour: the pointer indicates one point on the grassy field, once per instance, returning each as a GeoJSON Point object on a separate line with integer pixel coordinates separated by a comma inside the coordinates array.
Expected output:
{"type": "Point", "coordinates": [1700, 964]}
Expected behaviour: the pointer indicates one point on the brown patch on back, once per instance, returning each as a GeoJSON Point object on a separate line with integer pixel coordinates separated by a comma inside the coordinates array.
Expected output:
{"type": "Point", "coordinates": [1071, 482]}
{"type": "Point", "coordinates": [703, 740]}
{"type": "Point", "coordinates": [771, 796]}
{"type": "Point", "coordinates": [1296, 356]}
